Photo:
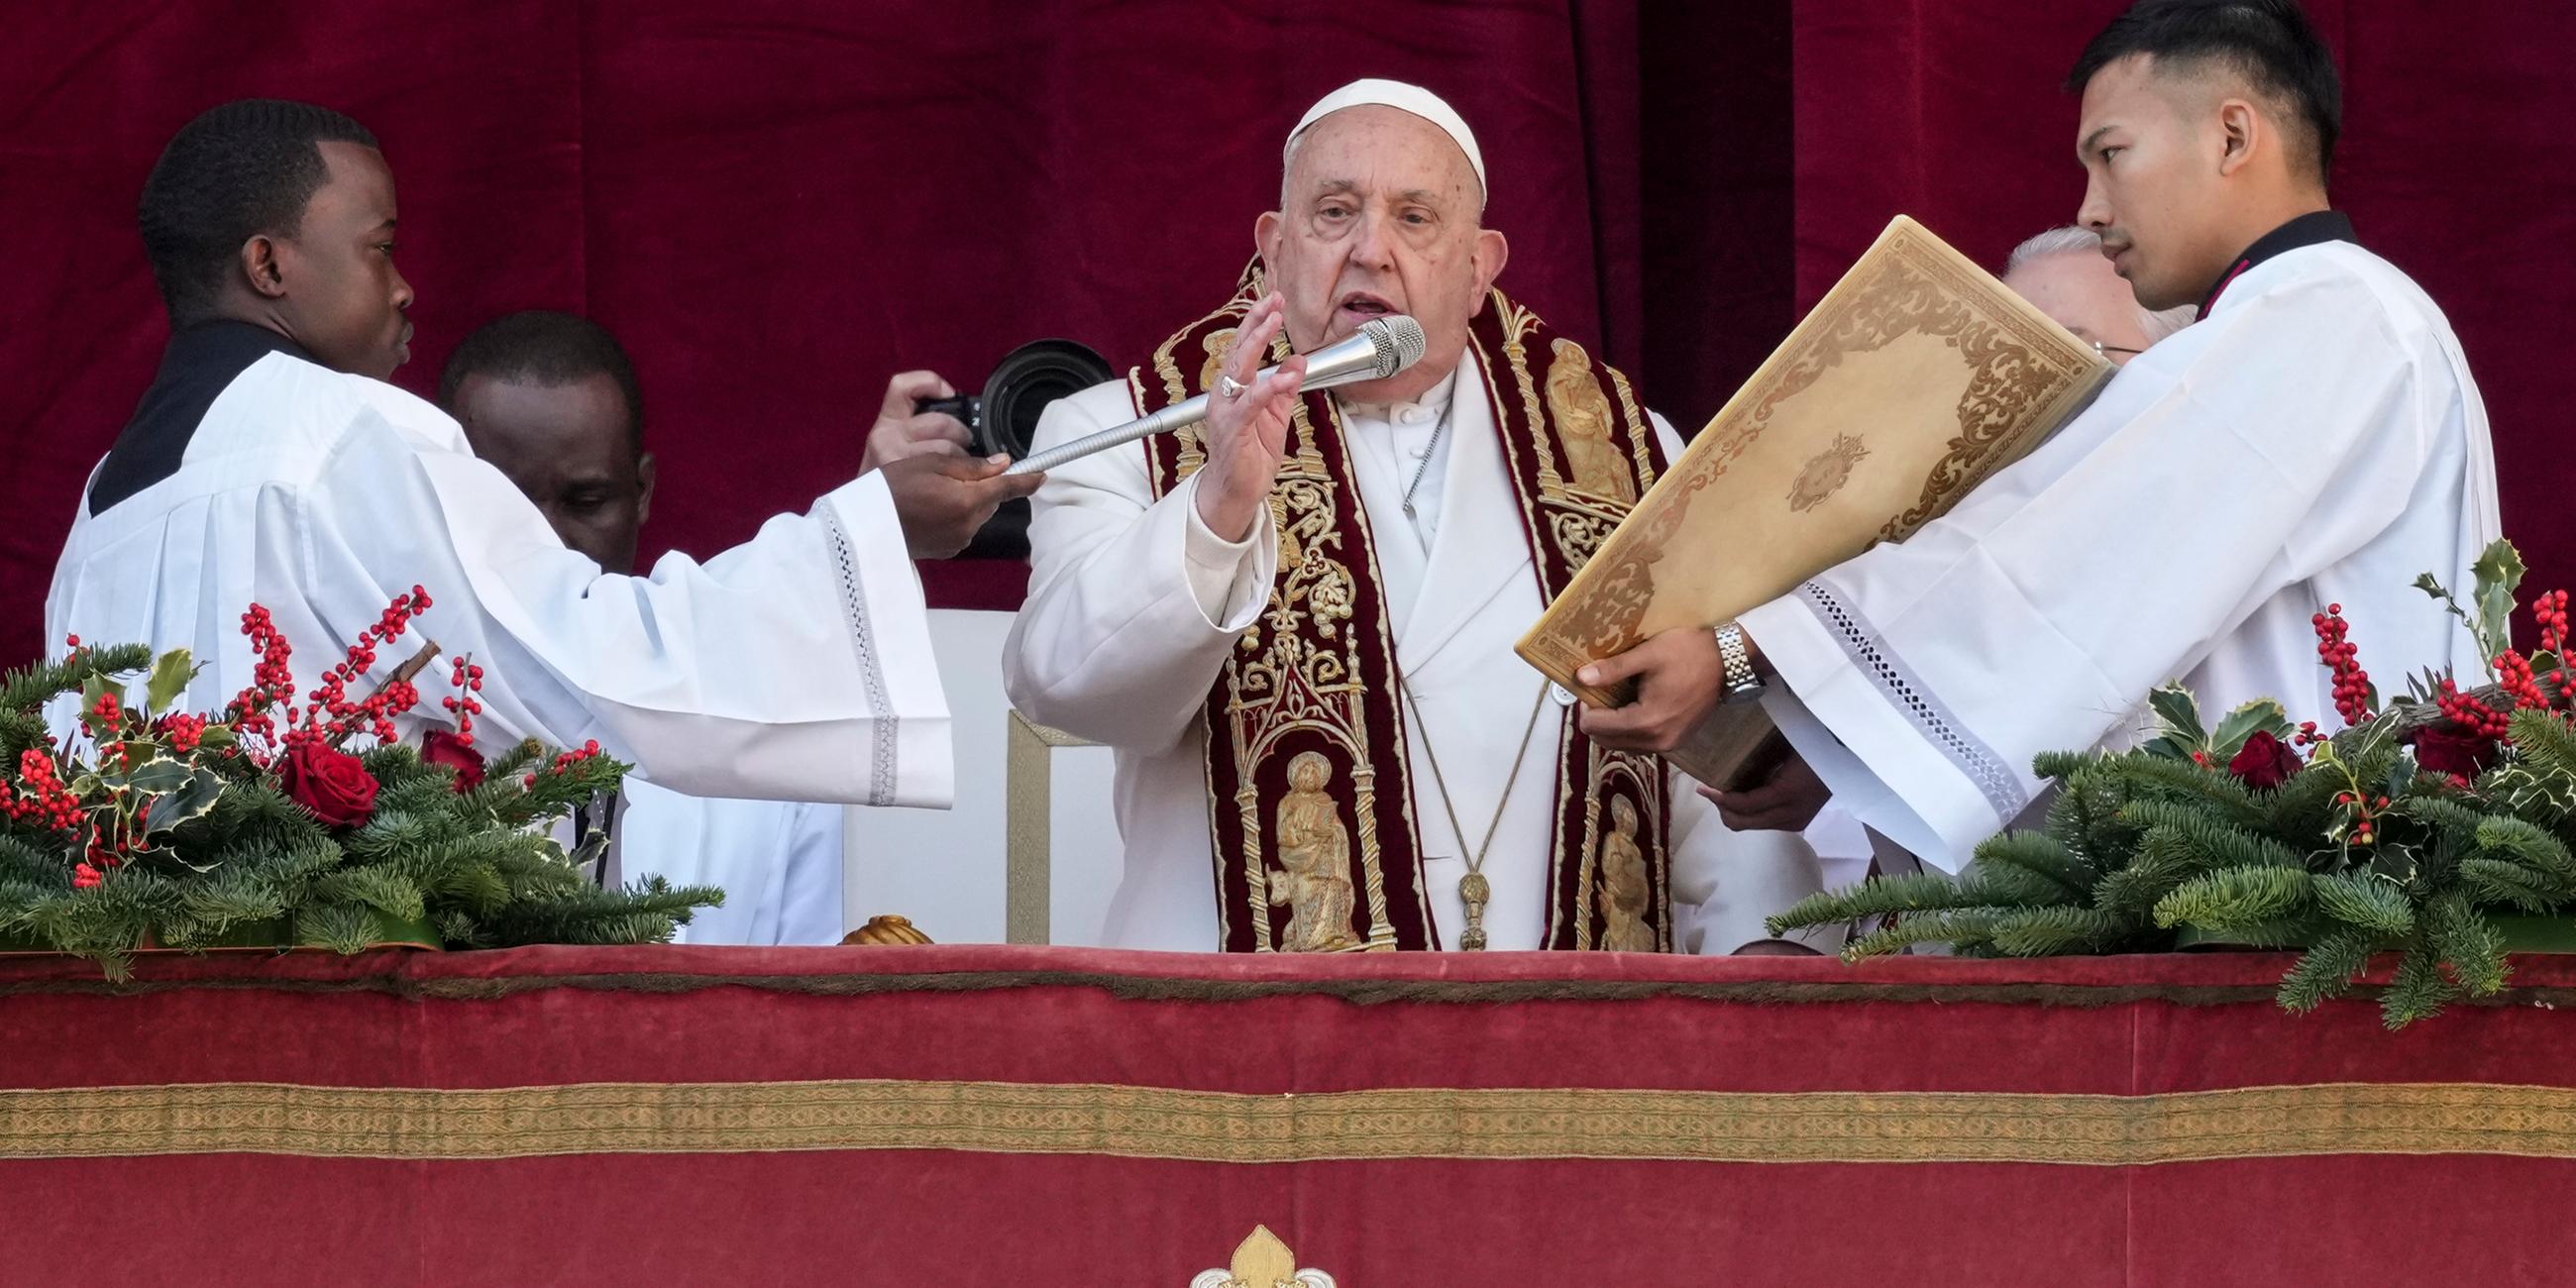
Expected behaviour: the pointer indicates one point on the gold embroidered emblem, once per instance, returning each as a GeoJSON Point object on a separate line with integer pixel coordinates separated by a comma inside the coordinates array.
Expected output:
{"type": "Point", "coordinates": [1594, 464]}
{"type": "Point", "coordinates": [1262, 1261]}
{"type": "Point", "coordinates": [1315, 858]}
{"type": "Point", "coordinates": [1623, 884]}
{"type": "Point", "coordinates": [1826, 473]}
{"type": "Point", "coordinates": [1216, 343]}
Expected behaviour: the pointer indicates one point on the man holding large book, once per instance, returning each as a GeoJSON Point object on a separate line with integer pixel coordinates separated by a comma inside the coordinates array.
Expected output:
{"type": "Point", "coordinates": [2315, 439]}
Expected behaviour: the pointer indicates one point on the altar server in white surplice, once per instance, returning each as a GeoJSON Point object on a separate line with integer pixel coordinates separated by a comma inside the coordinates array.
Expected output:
{"type": "Point", "coordinates": [2314, 439]}
{"type": "Point", "coordinates": [270, 463]}
{"type": "Point", "coordinates": [553, 402]}
{"type": "Point", "coordinates": [1295, 629]}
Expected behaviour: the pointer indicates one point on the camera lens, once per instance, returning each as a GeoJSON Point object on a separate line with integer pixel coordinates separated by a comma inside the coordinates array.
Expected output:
{"type": "Point", "coordinates": [1024, 382]}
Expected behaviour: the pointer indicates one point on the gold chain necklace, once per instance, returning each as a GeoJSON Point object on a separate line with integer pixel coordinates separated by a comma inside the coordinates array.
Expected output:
{"type": "Point", "coordinates": [1472, 888]}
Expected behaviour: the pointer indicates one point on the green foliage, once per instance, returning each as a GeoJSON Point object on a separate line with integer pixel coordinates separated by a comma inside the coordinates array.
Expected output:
{"type": "Point", "coordinates": [214, 852]}
{"type": "Point", "coordinates": [2142, 847]}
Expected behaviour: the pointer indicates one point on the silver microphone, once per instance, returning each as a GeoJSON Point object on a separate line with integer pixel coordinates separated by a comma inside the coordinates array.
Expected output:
{"type": "Point", "coordinates": [1381, 348]}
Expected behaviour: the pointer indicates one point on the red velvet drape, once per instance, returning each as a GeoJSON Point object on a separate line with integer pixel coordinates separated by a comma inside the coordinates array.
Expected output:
{"type": "Point", "coordinates": [778, 202]}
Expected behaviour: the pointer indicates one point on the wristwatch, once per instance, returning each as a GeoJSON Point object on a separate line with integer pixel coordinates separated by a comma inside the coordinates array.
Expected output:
{"type": "Point", "coordinates": [1742, 685]}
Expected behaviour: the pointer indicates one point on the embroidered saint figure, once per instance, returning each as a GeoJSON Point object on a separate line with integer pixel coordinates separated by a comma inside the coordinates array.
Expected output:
{"type": "Point", "coordinates": [1315, 858]}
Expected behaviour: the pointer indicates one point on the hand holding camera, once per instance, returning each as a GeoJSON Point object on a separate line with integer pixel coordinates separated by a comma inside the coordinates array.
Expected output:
{"type": "Point", "coordinates": [910, 423]}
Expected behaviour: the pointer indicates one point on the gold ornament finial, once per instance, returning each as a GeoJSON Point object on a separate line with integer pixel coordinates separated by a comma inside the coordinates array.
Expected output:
{"type": "Point", "coordinates": [886, 928]}
{"type": "Point", "coordinates": [1262, 1261]}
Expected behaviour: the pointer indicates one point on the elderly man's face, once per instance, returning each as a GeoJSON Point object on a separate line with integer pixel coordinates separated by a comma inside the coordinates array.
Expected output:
{"type": "Point", "coordinates": [2080, 291]}
{"type": "Point", "coordinates": [1381, 216]}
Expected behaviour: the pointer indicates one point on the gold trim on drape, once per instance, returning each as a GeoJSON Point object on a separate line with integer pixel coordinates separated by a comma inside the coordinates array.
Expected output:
{"type": "Point", "coordinates": [1228, 1127]}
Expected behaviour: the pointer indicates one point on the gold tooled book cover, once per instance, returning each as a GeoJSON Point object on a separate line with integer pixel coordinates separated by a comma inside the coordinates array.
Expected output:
{"type": "Point", "coordinates": [1913, 380]}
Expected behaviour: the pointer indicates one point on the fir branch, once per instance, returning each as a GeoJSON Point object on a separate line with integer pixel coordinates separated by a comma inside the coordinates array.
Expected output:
{"type": "Point", "coordinates": [1876, 897]}
{"type": "Point", "coordinates": [2468, 943]}
{"type": "Point", "coordinates": [30, 687]}
{"type": "Point", "coordinates": [2042, 857]}
{"type": "Point", "coordinates": [2496, 881]}
{"type": "Point", "coordinates": [2327, 970]}
{"type": "Point", "coordinates": [2235, 897]}
{"type": "Point", "coordinates": [1963, 928]}
{"type": "Point", "coordinates": [2374, 906]}
{"type": "Point", "coordinates": [2045, 932]}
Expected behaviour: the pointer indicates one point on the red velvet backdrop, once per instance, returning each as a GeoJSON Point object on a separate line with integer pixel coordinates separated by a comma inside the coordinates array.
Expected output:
{"type": "Point", "coordinates": [775, 203]}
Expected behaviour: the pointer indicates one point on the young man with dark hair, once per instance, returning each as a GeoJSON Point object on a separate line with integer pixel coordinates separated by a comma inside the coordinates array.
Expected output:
{"type": "Point", "coordinates": [270, 464]}
{"type": "Point", "coordinates": [552, 401]}
{"type": "Point", "coordinates": [2314, 440]}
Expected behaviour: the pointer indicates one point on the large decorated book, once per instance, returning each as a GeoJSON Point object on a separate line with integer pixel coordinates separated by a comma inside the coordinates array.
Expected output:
{"type": "Point", "coordinates": [1917, 377]}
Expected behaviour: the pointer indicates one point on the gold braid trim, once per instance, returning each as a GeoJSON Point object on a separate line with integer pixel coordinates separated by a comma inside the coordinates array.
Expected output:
{"type": "Point", "coordinates": [1226, 1127]}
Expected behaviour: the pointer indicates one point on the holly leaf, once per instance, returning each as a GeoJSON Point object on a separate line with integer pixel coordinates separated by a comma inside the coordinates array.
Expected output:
{"type": "Point", "coordinates": [2260, 716]}
{"type": "Point", "coordinates": [2499, 573]}
{"type": "Point", "coordinates": [2180, 712]}
{"type": "Point", "coordinates": [169, 680]}
{"type": "Point", "coordinates": [189, 800]}
{"type": "Point", "coordinates": [157, 775]}
{"type": "Point", "coordinates": [216, 736]}
{"type": "Point", "coordinates": [2425, 582]}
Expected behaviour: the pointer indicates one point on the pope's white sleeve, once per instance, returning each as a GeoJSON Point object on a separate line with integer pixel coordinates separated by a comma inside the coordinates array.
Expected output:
{"type": "Point", "coordinates": [1133, 603]}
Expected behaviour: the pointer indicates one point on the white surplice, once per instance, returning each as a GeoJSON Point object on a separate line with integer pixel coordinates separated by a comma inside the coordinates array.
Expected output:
{"type": "Point", "coordinates": [778, 862]}
{"type": "Point", "coordinates": [1134, 604]}
{"type": "Point", "coordinates": [2315, 440]}
{"type": "Point", "coordinates": [796, 666]}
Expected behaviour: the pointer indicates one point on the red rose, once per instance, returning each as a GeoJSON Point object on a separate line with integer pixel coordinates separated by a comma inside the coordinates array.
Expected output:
{"type": "Point", "coordinates": [443, 748]}
{"type": "Point", "coordinates": [2266, 762]}
{"type": "Point", "coordinates": [2444, 751]}
{"type": "Point", "coordinates": [331, 785]}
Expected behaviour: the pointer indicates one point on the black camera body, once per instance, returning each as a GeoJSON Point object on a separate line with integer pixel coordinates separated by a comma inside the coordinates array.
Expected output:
{"type": "Point", "coordinates": [1004, 418]}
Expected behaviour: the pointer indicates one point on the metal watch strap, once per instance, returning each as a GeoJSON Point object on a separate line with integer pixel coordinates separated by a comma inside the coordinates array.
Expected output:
{"type": "Point", "coordinates": [1741, 682]}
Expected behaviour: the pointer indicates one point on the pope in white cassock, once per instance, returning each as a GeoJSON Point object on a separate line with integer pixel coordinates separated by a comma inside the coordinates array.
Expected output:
{"type": "Point", "coordinates": [2314, 439]}
{"type": "Point", "coordinates": [270, 463]}
{"type": "Point", "coordinates": [1295, 627]}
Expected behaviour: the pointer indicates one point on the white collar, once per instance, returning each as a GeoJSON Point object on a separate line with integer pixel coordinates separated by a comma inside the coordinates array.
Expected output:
{"type": "Point", "coordinates": [1435, 400]}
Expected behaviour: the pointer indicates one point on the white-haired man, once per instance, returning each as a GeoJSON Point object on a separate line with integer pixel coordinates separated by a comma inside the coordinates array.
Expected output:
{"type": "Point", "coordinates": [2064, 273]}
{"type": "Point", "coordinates": [1295, 626]}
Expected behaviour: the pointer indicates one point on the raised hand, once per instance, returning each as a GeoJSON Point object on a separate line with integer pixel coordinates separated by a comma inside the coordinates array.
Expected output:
{"type": "Point", "coordinates": [901, 433]}
{"type": "Point", "coordinates": [1247, 428]}
{"type": "Point", "coordinates": [943, 499]}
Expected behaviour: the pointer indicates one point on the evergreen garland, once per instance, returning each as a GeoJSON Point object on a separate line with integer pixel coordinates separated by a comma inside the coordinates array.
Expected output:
{"type": "Point", "coordinates": [2363, 846]}
{"type": "Point", "coordinates": [162, 829]}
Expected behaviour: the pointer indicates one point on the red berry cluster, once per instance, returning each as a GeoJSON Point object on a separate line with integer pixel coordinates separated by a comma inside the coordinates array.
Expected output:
{"type": "Point", "coordinates": [2351, 683]}
{"type": "Point", "coordinates": [2307, 734]}
{"type": "Point", "coordinates": [103, 717]}
{"type": "Point", "coordinates": [2470, 713]}
{"type": "Point", "coordinates": [182, 729]}
{"type": "Point", "coordinates": [272, 682]}
{"type": "Point", "coordinates": [2365, 828]}
{"type": "Point", "coordinates": [565, 762]}
{"type": "Point", "coordinates": [49, 802]}
{"type": "Point", "coordinates": [2550, 609]}
{"type": "Point", "coordinates": [332, 716]}
{"type": "Point", "coordinates": [85, 877]}
{"type": "Point", "coordinates": [2514, 676]}
{"type": "Point", "coordinates": [468, 679]}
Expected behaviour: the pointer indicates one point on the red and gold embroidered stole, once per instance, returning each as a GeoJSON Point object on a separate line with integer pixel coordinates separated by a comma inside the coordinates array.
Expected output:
{"type": "Point", "coordinates": [1309, 782]}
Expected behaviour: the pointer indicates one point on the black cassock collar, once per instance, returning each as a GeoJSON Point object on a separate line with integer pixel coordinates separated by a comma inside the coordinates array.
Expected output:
{"type": "Point", "coordinates": [200, 362]}
{"type": "Point", "coordinates": [2311, 229]}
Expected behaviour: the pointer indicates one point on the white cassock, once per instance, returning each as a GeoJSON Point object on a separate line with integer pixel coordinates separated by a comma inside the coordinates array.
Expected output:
{"type": "Point", "coordinates": [1134, 604]}
{"type": "Point", "coordinates": [2315, 440]}
{"type": "Point", "coordinates": [796, 666]}
{"type": "Point", "coordinates": [778, 862]}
